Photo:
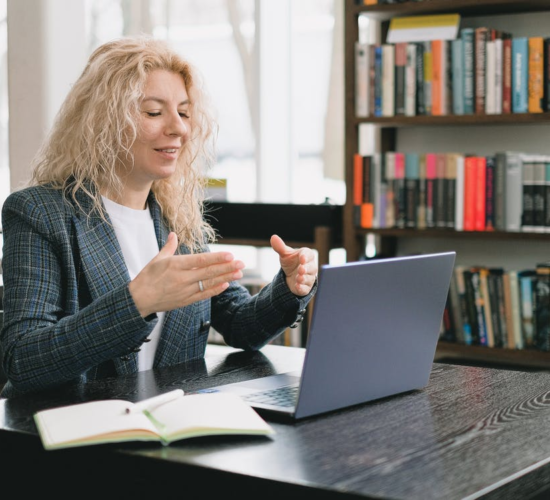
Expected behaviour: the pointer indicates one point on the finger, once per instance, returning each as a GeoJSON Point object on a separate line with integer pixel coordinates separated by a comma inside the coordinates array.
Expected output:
{"type": "Point", "coordinates": [280, 246]}
{"type": "Point", "coordinates": [204, 260]}
{"type": "Point", "coordinates": [169, 247]}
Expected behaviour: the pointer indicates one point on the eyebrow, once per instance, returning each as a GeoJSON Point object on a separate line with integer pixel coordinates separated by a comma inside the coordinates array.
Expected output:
{"type": "Point", "coordinates": [163, 101]}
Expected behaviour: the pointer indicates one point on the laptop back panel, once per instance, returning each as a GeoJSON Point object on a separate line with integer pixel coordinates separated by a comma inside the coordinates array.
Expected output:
{"type": "Point", "coordinates": [374, 330]}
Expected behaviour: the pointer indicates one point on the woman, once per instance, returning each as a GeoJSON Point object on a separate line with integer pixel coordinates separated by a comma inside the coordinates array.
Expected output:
{"type": "Point", "coordinates": [106, 265]}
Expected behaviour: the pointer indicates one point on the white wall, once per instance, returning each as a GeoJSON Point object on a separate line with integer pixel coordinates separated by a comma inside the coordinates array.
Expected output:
{"type": "Point", "coordinates": [46, 53]}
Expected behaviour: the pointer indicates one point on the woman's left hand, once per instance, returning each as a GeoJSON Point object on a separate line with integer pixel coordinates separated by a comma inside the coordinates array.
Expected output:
{"type": "Point", "coordinates": [299, 266]}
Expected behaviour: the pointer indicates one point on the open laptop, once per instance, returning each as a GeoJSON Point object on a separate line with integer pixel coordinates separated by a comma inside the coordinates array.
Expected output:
{"type": "Point", "coordinates": [374, 332]}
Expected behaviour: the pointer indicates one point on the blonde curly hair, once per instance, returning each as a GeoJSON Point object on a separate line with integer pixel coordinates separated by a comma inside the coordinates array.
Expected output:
{"type": "Point", "coordinates": [98, 123]}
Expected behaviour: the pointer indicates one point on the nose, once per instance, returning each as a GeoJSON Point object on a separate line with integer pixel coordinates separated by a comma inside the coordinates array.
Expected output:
{"type": "Point", "coordinates": [177, 126]}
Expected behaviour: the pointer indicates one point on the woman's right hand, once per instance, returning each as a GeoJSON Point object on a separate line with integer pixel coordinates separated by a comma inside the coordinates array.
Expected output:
{"type": "Point", "coordinates": [171, 281]}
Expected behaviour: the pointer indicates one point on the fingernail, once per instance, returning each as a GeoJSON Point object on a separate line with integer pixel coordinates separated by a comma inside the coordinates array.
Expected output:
{"type": "Point", "coordinates": [228, 257]}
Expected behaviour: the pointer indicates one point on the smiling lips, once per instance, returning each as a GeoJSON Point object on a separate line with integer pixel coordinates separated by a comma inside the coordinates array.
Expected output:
{"type": "Point", "coordinates": [170, 153]}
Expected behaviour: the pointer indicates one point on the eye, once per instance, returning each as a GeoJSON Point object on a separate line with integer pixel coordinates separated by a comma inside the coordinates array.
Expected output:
{"type": "Point", "coordinates": [184, 114]}
{"type": "Point", "coordinates": [153, 113]}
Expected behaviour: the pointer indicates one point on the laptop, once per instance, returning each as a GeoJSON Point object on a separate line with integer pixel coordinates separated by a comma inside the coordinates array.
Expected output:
{"type": "Point", "coordinates": [374, 331]}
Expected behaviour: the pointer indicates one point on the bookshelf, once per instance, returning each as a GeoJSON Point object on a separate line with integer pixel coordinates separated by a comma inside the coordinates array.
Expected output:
{"type": "Point", "coordinates": [403, 133]}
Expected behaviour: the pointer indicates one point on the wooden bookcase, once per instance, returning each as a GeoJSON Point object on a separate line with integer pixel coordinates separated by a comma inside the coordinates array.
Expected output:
{"type": "Point", "coordinates": [389, 128]}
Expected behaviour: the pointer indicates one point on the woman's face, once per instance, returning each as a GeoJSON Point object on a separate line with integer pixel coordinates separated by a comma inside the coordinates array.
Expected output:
{"type": "Point", "coordinates": [163, 129]}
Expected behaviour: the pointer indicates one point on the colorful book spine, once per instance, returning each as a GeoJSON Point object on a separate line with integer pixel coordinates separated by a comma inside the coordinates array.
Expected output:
{"type": "Point", "coordinates": [526, 280]}
{"type": "Point", "coordinates": [535, 87]}
{"type": "Point", "coordinates": [470, 163]}
{"type": "Point", "coordinates": [378, 80]}
{"type": "Point", "coordinates": [489, 193]}
{"type": "Point", "coordinates": [420, 98]}
{"type": "Point", "coordinates": [361, 79]}
{"type": "Point", "coordinates": [399, 191]}
{"type": "Point", "coordinates": [507, 74]}
{"type": "Point", "coordinates": [541, 313]}
{"type": "Point", "coordinates": [520, 74]}
{"type": "Point", "coordinates": [421, 206]}
{"type": "Point", "coordinates": [480, 193]}
{"type": "Point", "coordinates": [458, 76]}
{"type": "Point", "coordinates": [410, 80]}
{"type": "Point", "coordinates": [388, 80]}
{"type": "Point", "coordinates": [490, 77]}
{"type": "Point", "coordinates": [467, 35]}
{"type": "Point", "coordinates": [431, 174]}
{"type": "Point", "coordinates": [480, 40]}
{"type": "Point", "coordinates": [412, 175]}
{"type": "Point", "coordinates": [440, 216]}
{"type": "Point", "coordinates": [437, 77]}
{"type": "Point", "coordinates": [428, 74]}
{"type": "Point", "coordinates": [449, 189]}
{"type": "Point", "coordinates": [400, 72]}
{"type": "Point", "coordinates": [459, 194]}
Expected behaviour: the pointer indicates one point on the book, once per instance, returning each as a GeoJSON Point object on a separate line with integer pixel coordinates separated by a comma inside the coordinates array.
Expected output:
{"type": "Point", "coordinates": [459, 192]}
{"type": "Point", "coordinates": [535, 70]}
{"type": "Point", "coordinates": [399, 192]}
{"type": "Point", "coordinates": [410, 80]}
{"type": "Point", "coordinates": [489, 193]}
{"type": "Point", "coordinates": [467, 35]}
{"type": "Point", "coordinates": [526, 280]}
{"type": "Point", "coordinates": [166, 418]}
{"type": "Point", "coordinates": [362, 53]}
{"type": "Point", "coordinates": [470, 163]}
{"type": "Point", "coordinates": [506, 74]}
{"type": "Point", "coordinates": [480, 193]}
{"type": "Point", "coordinates": [440, 216]}
{"type": "Point", "coordinates": [516, 310]}
{"type": "Point", "coordinates": [490, 77]}
{"type": "Point", "coordinates": [421, 205]}
{"type": "Point", "coordinates": [420, 106]}
{"type": "Point", "coordinates": [428, 72]}
{"type": "Point", "coordinates": [400, 75]}
{"type": "Point", "coordinates": [458, 76]}
{"type": "Point", "coordinates": [431, 173]}
{"type": "Point", "coordinates": [481, 35]}
{"type": "Point", "coordinates": [438, 72]}
{"type": "Point", "coordinates": [449, 187]}
{"type": "Point", "coordinates": [458, 275]}
{"type": "Point", "coordinates": [512, 165]}
{"type": "Point", "coordinates": [378, 57]}
{"type": "Point", "coordinates": [520, 74]}
{"type": "Point", "coordinates": [388, 80]}
{"type": "Point", "coordinates": [541, 313]}
{"type": "Point", "coordinates": [528, 188]}
{"type": "Point", "coordinates": [499, 44]}
{"type": "Point", "coordinates": [412, 176]}
{"type": "Point", "coordinates": [547, 196]}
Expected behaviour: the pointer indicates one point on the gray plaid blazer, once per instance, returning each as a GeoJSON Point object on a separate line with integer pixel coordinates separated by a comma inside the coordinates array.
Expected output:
{"type": "Point", "coordinates": [68, 314]}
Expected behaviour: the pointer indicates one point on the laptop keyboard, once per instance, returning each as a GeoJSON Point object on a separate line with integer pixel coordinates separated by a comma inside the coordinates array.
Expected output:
{"type": "Point", "coordinates": [282, 396]}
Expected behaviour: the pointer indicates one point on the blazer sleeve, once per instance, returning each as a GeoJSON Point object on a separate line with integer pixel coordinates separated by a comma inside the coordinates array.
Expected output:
{"type": "Point", "coordinates": [46, 339]}
{"type": "Point", "coordinates": [250, 322]}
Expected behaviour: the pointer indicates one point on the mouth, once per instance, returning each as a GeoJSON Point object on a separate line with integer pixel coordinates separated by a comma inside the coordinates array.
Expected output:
{"type": "Point", "coordinates": [169, 150]}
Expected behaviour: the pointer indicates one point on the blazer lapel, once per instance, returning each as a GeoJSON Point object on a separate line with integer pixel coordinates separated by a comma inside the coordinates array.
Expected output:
{"type": "Point", "coordinates": [102, 260]}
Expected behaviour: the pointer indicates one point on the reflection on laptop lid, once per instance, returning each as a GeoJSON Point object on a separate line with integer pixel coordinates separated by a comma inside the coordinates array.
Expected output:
{"type": "Point", "coordinates": [373, 334]}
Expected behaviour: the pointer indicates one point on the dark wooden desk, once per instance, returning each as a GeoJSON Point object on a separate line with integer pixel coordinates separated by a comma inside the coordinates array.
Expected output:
{"type": "Point", "coordinates": [473, 432]}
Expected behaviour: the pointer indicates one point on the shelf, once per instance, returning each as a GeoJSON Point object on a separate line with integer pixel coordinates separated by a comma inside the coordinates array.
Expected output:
{"type": "Point", "coordinates": [491, 355]}
{"type": "Point", "coordinates": [450, 233]}
{"type": "Point", "coordinates": [459, 120]}
{"type": "Point", "coordinates": [466, 8]}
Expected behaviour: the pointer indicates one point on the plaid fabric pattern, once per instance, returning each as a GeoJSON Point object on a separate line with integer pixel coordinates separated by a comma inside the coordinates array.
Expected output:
{"type": "Point", "coordinates": [68, 314]}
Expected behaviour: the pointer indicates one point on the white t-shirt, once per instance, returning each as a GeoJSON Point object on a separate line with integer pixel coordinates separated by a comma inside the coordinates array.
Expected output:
{"type": "Point", "coordinates": [135, 231]}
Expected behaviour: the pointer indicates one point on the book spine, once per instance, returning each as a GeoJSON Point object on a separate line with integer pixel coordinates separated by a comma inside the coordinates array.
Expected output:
{"type": "Point", "coordinates": [450, 190]}
{"type": "Point", "coordinates": [539, 212]}
{"type": "Point", "coordinates": [468, 47]}
{"type": "Point", "coordinates": [489, 193]}
{"type": "Point", "coordinates": [547, 197]}
{"type": "Point", "coordinates": [410, 80]}
{"type": "Point", "coordinates": [507, 75]}
{"type": "Point", "coordinates": [542, 307]}
{"type": "Point", "coordinates": [499, 194]}
{"type": "Point", "coordinates": [440, 216]}
{"type": "Point", "coordinates": [458, 76]}
{"type": "Point", "coordinates": [411, 189]}
{"type": "Point", "coordinates": [421, 205]}
{"type": "Point", "coordinates": [437, 77]}
{"type": "Point", "coordinates": [486, 306]}
{"type": "Point", "coordinates": [525, 281]}
{"type": "Point", "coordinates": [490, 73]}
{"type": "Point", "coordinates": [431, 170]}
{"type": "Point", "coordinates": [535, 87]}
{"type": "Point", "coordinates": [420, 98]}
{"type": "Point", "coordinates": [528, 178]}
{"type": "Point", "coordinates": [516, 309]}
{"type": "Point", "coordinates": [458, 274]}
{"type": "Point", "coordinates": [498, 75]}
{"type": "Point", "coordinates": [520, 75]}
{"type": "Point", "coordinates": [357, 188]}
{"type": "Point", "coordinates": [372, 80]}
{"type": "Point", "coordinates": [400, 72]}
{"type": "Point", "coordinates": [508, 312]}
{"type": "Point", "coordinates": [454, 299]}
{"type": "Point", "coordinates": [480, 39]}
{"type": "Point", "coordinates": [389, 172]}
{"type": "Point", "coordinates": [377, 183]}
{"type": "Point", "coordinates": [459, 194]}
{"type": "Point", "coordinates": [513, 191]}
{"type": "Point", "coordinates": [480, 194]}
{"type": "Point", "coordinates": [428, 72]}
{"type": "Point", "coordinates": [399, 191]}
{"type": "Point", "coordinates": [361, 79]}
{"type": "Point", "coordinates": [471, 306]}
{"type": "Point", "coordinates": [546, 74]}
{"type": "Point", "coordinates": [469, 192]}
{"type": "Point", "coordinates": [367, 207]}
{"type": "Point", "coordinates": [388, 80]}
{"type": "Point", "coordinates": [378, 55]}
{"type": "Point", "coordinates": [479, 307]}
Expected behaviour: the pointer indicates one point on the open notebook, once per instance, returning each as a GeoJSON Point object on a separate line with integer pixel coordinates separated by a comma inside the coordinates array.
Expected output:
{"type": "Point", "coordinates": [373, 334]}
